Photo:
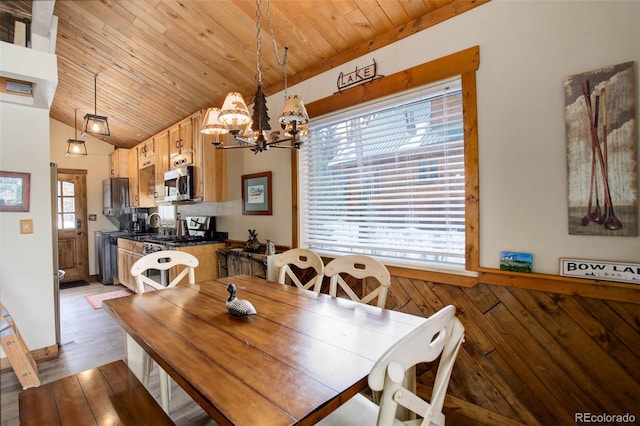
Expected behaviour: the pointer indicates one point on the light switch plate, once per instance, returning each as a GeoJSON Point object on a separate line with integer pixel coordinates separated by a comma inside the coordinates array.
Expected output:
{"type": "Point", "coordinates": [26, 226]}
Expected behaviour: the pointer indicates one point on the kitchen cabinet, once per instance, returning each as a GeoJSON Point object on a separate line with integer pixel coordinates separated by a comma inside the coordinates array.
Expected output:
{"type": "Point", "coordinates": [161, 148]}
{"type": "Point", "coordinates": [147, 163]}
{"type": "Point", "coordinates": [210, 166]}
{"type": "Point", "coordinates": [128, 252]}
{"type": "Point", "coordinates": [134, 189]}
{"type": "Point", "coordinates": [146, 153]}
{"type": "Point", "coordinates": [119, 163]}
{"type": "Point", "coordinates": [236, 261]}
{"type": "Point", "coordinates": [147, 186]}
{"type": "Point", "coordinates": [176, 146]}
{"type": "Point", "coordinates": [181, 148]}
{"type": "Point", "coordinates": [206, 255]}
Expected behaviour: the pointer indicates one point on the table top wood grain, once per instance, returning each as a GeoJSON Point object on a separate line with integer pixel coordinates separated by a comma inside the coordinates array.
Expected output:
{"type": "Point", "coordinates": [298, 359]}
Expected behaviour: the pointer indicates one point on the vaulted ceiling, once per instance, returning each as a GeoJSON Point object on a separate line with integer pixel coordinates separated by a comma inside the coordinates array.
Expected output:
{"type": "Point", "coordinates": [158, 61]}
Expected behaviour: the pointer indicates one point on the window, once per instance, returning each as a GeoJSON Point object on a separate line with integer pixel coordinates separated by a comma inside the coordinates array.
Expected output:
{"type": "Point", "coordinates": [388, 180]}
{"type": "Point", "coordinates": [66, 205]}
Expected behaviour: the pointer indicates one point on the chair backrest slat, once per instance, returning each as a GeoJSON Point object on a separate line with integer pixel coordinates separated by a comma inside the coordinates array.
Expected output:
{"type": "Point", "coordinates": [163, 261]}
{"type": "Point", "coordinates": [303, 259]}
{"type": "Point", "coordinates": [359, 267]}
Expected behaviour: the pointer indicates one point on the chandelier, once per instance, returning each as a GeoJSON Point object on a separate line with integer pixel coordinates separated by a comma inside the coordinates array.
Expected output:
{"type": "Point", "coordinates": [250, 131]}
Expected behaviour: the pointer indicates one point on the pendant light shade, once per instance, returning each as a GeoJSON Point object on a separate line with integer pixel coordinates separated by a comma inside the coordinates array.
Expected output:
{"type": "Point", "coordinates": [211, 124]}
{"type": "Point", "coordinates": [294, 111]}
{"type": "Point", "coordinates": [94, 124]}
{"type": "Point", "coordinates": [75, 147]}
{"type": "Point", "coordinates": [234, 112]}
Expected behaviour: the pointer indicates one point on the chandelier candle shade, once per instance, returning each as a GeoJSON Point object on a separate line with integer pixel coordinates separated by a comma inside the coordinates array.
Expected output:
{"type": "Point", "coordinates": [94, 124]}
{"type": "Point", "coordinates": [234, 116]}
{"type": "Point", "coordinates": [75, 147]}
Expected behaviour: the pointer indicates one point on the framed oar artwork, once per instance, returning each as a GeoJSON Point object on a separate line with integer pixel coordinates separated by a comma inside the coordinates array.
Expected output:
{"type": "Point", "coordinates": [600, 116]}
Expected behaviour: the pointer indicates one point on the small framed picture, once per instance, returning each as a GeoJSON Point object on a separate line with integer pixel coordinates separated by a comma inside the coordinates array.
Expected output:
{"type": "Point", "coordinates": [516, 262]}
{"type": "Point", "coordinates": [256, 194]}
{"type": "Point", "coordinates": [14, 191]}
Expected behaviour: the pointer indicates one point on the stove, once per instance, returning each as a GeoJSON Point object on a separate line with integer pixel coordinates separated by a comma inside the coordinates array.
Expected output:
{"type": "Point", "coordinates": [153, 243]}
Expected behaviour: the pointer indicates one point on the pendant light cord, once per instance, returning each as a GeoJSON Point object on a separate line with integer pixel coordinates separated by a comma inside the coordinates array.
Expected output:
{"type": "Point", "coordinates": [95, 94]}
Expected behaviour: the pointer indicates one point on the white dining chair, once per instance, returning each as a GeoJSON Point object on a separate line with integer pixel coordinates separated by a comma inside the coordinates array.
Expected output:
{"type": "Point", "coordinates": [303, 259]}
{"type": "Point", "coordinates": [360, 267]}
{"type": "Point", "coordinates": [441, 335]}
{"type": "Point", "coordinates": [163, 261]}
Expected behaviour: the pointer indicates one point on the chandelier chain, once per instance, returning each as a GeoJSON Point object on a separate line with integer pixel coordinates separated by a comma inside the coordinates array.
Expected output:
{"type": "Point", "coordinates": [259, 41]}
{"type": "Point", "coordinates": [282, 63]}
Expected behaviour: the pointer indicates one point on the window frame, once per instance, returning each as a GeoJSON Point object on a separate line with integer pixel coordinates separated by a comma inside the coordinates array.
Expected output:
{"type": "Point", "coordinates": [463, 64]}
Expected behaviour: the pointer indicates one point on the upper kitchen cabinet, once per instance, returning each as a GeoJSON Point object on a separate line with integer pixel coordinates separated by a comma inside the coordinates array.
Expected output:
{"type": "Point", "coordinates": [119, 163]}
{"type": "Point", "coordinates": [152, 156]}
{"type": "Point", "coordinates": [134, 188]}
{"type": "Point", "coordinates": [161, 141]}
{"type": "Point", "coordinates": [181, 143]}
{"type": "Point", "coordinates": [210, 166]}
{"type": "Point", "coordinates": [146, 153]}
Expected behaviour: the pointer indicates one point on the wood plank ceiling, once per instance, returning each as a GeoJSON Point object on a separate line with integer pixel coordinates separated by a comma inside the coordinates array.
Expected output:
{"type": "Point", "coordinates": [158, 61]}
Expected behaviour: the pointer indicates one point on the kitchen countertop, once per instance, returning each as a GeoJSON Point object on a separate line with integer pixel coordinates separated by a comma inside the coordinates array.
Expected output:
{"type": "Point", "coordinates": [172, 241]}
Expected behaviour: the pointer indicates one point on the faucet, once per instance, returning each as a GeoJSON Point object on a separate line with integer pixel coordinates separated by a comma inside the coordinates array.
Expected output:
{"type": "Point", "coordinates": [152, 215]}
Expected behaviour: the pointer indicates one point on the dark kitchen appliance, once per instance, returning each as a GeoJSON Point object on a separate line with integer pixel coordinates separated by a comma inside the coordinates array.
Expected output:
{"type": "Point", "coordinates": [107, 251]}
{"type": "Point", "coordinates": [115, 206]}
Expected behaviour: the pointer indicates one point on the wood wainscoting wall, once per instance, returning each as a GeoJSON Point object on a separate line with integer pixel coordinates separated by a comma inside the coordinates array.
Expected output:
{"type": "Point", "coordinates": [532, 356]}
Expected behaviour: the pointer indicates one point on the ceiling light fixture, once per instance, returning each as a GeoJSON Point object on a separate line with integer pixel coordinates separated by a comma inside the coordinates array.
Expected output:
{"type": "Point", "coordinates": [251, 131]}
{"type": "Point", "coordinates": [75, 147]}
{"type": "Point", "coordinates": [94, 124]}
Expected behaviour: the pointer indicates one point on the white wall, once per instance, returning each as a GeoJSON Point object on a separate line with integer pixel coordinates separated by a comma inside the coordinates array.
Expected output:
{"type": "Point", "coordinates": [26, 260]}
{"type": "Point", "coordinates": [96, 163]}
{"type": "Point", "coordinates": [527, 48]}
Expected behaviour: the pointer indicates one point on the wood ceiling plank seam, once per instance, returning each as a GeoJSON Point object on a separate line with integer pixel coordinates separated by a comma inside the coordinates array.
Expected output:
{"type": "Point", "coordinates": [234, 29]}
{"type": "Point", "coordinates": [361, 24]}
{"type": "Point", "coordinates": [395, 11]}
{"type": "Point", "coordinates": [333, 26]}
{"type": "Point", "coordinates": [380, 22]}
{"type": "Point", "coordinates": [147, 18]}
{"type": "Point", "coordinates": [316, 42]}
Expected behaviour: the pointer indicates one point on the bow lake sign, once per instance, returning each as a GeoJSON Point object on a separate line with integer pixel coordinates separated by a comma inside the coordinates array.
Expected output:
{"type": "Point", "coordinates": [359, 76]}
{"type": "Point", "coordinates": [599, 270]}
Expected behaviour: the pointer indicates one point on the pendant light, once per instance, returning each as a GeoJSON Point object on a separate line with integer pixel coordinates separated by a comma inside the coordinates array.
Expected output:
{"type": "Point", "coordinates": [75, 147]}
{"type": "Point", "coordinates": [94, 124]}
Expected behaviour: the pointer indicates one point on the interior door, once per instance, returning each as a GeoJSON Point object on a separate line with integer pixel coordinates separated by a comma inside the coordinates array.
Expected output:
{"type": "Point", "coordinates": [71, 221]}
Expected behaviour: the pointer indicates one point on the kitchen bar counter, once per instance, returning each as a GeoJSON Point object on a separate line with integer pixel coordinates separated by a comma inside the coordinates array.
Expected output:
{"type": "Point", "coordinates": [174, 241]}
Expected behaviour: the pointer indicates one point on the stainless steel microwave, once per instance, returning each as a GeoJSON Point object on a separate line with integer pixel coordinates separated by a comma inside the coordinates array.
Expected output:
{"type": "Point", "coordinates": [178, 184]}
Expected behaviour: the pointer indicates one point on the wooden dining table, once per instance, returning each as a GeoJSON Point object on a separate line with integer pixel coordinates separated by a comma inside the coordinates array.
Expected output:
{"type": "Point", "coordinates": [299, 358]}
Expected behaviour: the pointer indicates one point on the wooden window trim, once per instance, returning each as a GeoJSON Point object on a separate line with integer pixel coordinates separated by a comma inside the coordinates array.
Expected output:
{"type": "Point", "coordinates": [464, 64]}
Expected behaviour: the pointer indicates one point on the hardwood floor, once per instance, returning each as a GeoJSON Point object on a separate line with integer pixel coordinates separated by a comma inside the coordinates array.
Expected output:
{"type": "Point", "coordinates": [90, 337]}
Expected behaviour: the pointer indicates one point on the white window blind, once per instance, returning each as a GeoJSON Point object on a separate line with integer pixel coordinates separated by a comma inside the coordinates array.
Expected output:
{"type": "Point", "coordinates": [387, 180]}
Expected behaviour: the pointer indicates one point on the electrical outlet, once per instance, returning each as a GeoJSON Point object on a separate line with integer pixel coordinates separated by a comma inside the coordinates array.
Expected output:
{"type": "Point", "coordinates": [26, 226]}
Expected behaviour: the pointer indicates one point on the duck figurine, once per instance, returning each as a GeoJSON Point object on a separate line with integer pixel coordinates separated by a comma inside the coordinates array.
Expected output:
{"type": "Point", "coordinates": [238, 307]}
